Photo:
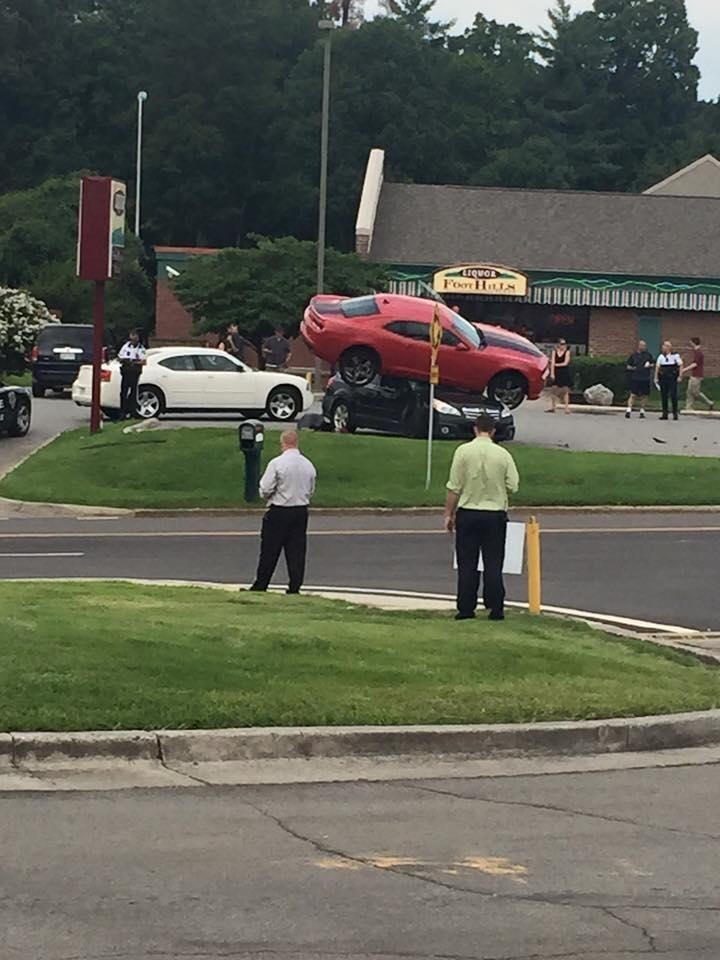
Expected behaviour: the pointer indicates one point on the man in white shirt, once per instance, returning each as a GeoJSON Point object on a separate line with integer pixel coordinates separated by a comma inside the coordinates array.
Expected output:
{"type": "Point", "coordinates": [287, 486]}
{"type": "Point", "coordinates": [132, 359]}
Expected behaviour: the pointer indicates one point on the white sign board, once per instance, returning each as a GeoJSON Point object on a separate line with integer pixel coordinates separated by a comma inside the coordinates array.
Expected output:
{"type": "Point", "coordinates": [514, 550]}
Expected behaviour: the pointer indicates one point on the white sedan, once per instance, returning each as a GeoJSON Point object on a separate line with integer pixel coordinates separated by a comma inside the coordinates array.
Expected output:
{"type": "Point", "coordinates": [195, 379]}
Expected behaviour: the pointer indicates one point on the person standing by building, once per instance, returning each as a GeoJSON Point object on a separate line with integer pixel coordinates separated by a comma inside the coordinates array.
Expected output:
{"type": "Point", "coordinates": [668, 371]}
{"type": "Point", "coordinates": [234, 343]}
{"type": "Point", "coordinates": [639, 366]}
{"type": "Point", "coordinates": [696, 371]}
{"type": "Point", "coordinates": [287, 486]}
{"type": "Point", "coordinates": [561, 375]}
{"type": "Point", "coordinates": [276, 350]}
{"type": "Point", "coordinates": [132, 360]}
{"type": "Point", "coordinates": [481, 476]}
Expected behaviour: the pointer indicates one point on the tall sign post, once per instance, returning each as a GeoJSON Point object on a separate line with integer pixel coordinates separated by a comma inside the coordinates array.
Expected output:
{"type": "Point", "coordinates": [436, 332]}
{"type": "Point", "coordinates": [101, 241]}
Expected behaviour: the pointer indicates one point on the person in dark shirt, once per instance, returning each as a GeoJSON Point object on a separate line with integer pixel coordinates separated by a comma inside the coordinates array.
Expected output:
{"type": "Point", "coordinates": [276, 350]}
{"type": "Point", "coordinates": [234, 343]}
{"type": "Point", "coordinates": [640, 368]}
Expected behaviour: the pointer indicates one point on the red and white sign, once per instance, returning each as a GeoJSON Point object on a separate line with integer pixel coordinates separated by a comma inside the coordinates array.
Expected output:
{"type": "Point", "coordinates": [101, 233]}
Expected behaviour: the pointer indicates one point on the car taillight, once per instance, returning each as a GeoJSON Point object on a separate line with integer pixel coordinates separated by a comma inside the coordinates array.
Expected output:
{"type": "Point", "coordinates": [106, 376]}
{"type": "Point", "coordinates": [34, 354]}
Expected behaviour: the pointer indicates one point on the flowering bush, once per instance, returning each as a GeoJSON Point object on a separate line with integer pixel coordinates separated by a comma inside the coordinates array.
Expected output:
{"type": "Point", "coordinates": [21, 316]}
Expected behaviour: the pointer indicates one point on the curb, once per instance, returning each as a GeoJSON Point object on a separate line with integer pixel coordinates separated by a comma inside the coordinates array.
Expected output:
{"type": "Point", "coordinates": [39, 509]}
{"type": "Point", "coordinates": [170, 747]}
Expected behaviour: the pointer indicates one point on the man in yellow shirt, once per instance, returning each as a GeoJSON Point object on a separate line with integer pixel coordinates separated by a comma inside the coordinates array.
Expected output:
{"type": "Point", "coordinates": [481, 476]}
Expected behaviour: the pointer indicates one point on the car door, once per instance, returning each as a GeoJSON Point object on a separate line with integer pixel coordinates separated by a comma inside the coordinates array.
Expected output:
{"type": "Point", "coordinates": [227, 384]}
{"type": "Point", "coordinates": [410, 355]}
{"type": "Point", "coordinates": [178, 378]}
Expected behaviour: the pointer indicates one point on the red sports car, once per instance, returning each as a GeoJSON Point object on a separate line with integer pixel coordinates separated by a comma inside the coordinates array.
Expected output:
{"type": "Point", "coordinates": [390, 334]}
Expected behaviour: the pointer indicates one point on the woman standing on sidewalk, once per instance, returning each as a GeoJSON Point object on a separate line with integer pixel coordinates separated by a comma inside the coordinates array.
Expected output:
{"type": "Point", "coordinates": [668, 370]}
{"type": "Point", "coordinates": [561, 375]}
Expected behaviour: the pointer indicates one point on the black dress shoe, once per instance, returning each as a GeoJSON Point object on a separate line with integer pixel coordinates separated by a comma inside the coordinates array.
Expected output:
{"type": "Point", "coordinates": [464, 616]}
{"type": "Point", "coordinates": [497, 615]}
{"type": "Point", "coordinates": [256, 589]}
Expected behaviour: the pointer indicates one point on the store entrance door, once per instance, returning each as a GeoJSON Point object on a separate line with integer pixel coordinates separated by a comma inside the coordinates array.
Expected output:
{"type": "Point", "coordinates": [650, 330]}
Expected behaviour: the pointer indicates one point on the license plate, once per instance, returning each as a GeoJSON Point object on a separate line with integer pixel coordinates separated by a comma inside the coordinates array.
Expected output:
{"type": "Point", "coordinates": [67, 354]}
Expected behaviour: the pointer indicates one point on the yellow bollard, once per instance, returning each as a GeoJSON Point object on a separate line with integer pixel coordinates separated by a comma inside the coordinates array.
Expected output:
{"type": "Point", "coordinates": [534, 567]}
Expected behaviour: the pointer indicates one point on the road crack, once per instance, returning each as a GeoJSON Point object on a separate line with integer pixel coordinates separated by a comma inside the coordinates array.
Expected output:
{"type": "Point", "coordinates": [553, 808]}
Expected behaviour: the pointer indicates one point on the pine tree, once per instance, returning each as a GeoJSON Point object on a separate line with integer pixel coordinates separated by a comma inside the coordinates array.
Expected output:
{"type": "Point", "coordinates": [415, 14]}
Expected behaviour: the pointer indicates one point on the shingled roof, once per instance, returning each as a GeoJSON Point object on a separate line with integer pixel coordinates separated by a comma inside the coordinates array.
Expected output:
{"type": "Point", "coordinates": [548, 230]}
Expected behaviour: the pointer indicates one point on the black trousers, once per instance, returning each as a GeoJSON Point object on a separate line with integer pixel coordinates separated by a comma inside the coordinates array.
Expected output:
{"type": "Point", "coordinates": [480, 531]}
{"type": "Point", "coordinates": [284, 528]}
{"type": "Point", "coordinates": [128, 393]}
{"type": "Point", "coordinates": [669, 393]}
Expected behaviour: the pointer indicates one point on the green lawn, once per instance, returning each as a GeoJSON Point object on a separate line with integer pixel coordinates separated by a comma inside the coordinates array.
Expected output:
{"type": "Point", "coordinates": [16, 380]}
{"type": "Point", "coordinates": [114, 656]}
{"type": "Point", "coordinates": [203, 468]}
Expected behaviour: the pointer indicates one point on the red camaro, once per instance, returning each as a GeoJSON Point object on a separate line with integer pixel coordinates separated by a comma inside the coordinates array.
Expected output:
{"type": "Point", "coordinates": [390, 334]}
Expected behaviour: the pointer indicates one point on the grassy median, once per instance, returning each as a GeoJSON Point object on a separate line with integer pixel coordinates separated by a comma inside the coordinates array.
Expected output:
{"type": "Point", "coordinates": [203, 468]}
{"type": "Point", "coordinates": [104, 656]}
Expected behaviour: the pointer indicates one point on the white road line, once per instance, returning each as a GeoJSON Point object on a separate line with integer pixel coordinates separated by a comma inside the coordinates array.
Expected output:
{"type": "Point", "coordinates": [234, 534]}
{"type": "Point", "coordinates": [93, 518]}
{"type": "Point", "coordinates": [43, 555]}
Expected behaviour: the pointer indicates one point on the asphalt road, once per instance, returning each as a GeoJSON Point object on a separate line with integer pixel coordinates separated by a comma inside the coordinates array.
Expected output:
{"type": "Point", "coordinates": [50, 416]}
{"type": "Point", "coordinates": [659, 567]}
{"type": "Point", "coordinates": [603, 866]}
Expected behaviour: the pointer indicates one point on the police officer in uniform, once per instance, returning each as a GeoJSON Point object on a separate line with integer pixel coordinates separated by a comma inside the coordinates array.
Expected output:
{"type": "Point", "coordinates": [132, 360]}
{"type": "Point", "coordinates": [287, 486]}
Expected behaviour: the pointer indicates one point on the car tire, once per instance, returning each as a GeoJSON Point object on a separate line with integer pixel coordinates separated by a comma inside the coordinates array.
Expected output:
{"type": "Point", "coordinates": [359, 366]}
{"type": "Point", "coordinates": [341, 418]}
{"type": "Point", "coordinates": [509, 388]}
{"type": "Point", "coordinates": [37, 390]}
{"type": "Point", "coordinates": [150, 402]}
{"type": "Point", "coordinates": [284, 404]}
{"type": "Point", "coordinates": [22, 419]}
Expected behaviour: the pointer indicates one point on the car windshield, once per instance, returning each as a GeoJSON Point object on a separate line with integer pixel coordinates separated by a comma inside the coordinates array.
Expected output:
{"type": "Point", "coordinates": [360, 307]}
{"type": "Point", "coordinates": [466, 330]}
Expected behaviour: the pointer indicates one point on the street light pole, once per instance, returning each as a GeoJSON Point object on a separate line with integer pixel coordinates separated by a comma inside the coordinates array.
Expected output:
{"type": "Point", "coordinates": [141, 98]}
{"type": "Point", "coordinates": [327, 26]}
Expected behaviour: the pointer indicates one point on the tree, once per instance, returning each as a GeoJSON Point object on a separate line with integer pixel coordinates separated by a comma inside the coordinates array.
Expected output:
{"type": "Point", "coordinates": [267, 285]}
{"type": "Point", "coordinates": [21, 317]}
{"type": "Point", "coordinates": [415, 14]}
{"type": "Point", "coordinates": [38, 240]}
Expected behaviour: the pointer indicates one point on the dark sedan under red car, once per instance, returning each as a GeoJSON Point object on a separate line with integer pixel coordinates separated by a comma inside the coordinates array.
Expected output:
{"type": "Point", "coordinates": [390, 334]}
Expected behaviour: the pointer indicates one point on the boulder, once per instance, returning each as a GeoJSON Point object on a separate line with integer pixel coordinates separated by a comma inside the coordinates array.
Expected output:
{"type": "Point", "coordinates": [599, 396]}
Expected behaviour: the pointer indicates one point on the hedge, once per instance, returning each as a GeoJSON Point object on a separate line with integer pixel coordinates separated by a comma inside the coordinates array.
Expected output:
{"type": "Point", "coordinates": [609, 371]}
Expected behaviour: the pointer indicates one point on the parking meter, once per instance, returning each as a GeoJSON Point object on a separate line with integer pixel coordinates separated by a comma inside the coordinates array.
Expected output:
{"type": "Point", "coordinates": [251, 435]}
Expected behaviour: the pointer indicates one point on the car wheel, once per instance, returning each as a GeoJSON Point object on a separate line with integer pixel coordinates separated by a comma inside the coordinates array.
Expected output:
{"type": "Point", "coordinates": [22, 419]}
{"type": "Point", "coordinates": [284, 404]}
{"type": "Point", "coordinates": [341, 418]}
{"type": "Point", "coordinates": [359, 366]}
{"type": "Point", "coordinates": [508, 388]}
{"type": "Point", "coordinates": [37, 390]}
{"type": "Point", "coordinates": [150, 403]}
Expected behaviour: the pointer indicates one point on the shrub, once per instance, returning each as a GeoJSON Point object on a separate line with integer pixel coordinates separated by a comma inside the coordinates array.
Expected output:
{"type": "Point", "coordinates": [21, 317]}
{"type": "Point", "coordinates": [609, 371]}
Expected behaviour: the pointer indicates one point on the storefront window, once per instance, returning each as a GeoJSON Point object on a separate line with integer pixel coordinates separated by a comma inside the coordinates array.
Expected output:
{"type": "Point", "coordinates": [543, 325]}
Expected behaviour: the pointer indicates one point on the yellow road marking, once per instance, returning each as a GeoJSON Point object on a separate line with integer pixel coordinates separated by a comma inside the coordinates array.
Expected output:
{"type": "Point", "coordinates": [494, 866]}
{"type": "Point", "coordinates": [337, 863]}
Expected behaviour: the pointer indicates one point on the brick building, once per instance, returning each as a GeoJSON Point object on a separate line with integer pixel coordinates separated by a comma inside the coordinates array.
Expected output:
{"type": "Point", "coordinates": [173, 323]}
{"type": "Point", "coordinates": [600, 269]}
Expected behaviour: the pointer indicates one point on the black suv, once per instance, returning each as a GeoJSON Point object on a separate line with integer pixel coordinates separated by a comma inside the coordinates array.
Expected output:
{"type": "Point", "coordinates": [62, 348]}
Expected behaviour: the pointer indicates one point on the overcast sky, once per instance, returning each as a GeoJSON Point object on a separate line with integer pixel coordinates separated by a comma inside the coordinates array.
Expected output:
{"type": "Point", "coordinates": [704, 16]}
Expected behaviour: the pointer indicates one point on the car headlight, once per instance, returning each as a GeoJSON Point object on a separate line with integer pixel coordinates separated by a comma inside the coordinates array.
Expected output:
{"type": "Point", "coordinates": [439, 406]}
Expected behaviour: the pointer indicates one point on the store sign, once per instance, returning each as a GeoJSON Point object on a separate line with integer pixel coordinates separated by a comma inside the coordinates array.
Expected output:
{"type": "Point", "coordinates": [481, 280]}
{"type": "Point", "coordinates": [101, 232]}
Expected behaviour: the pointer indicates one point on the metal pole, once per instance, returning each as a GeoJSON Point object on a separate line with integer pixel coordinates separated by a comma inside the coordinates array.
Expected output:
{"type": "Point", "coordinates": [141, 98]}
{"type": "Point", "coordinates": [327, 26]}
{"type": "Point", "coordinates": [534, 567]}
{"type": "Point", "coordinates": [98, 336]}
{"type": "Point", "coordinates": [428, 476]}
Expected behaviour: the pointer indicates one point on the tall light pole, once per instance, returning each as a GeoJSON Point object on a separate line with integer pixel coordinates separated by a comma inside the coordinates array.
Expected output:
{"type": "Point", "coordinates": [327, 27]}
{"type": "Point", "coordinates": [141, 98]}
